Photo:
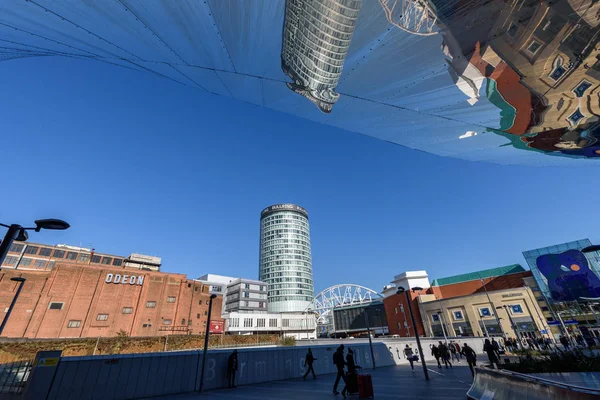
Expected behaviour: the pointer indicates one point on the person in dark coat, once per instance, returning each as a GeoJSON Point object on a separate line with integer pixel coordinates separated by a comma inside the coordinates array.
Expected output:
{"type": "Point", "coordinates": [410, 356]}
{"type": "Point", "coordinates": [491, 353]}
{"type": "Point", "coordinates": [338, 360]}
{"type": "Point", "coordinates": [436, 353]}
{"type": "Point", "coordinates": [308, 362]}
{"type": "Point", "coordinates": [471, 357]}
{"type": "Point", "coordinates": [445, 354]}
{"type": "Point", "coordinates": [351, 384]}
{"type": "Point", "coordinates": [232, 366]}
{"type": "Point", "coordinates": [564, 341]}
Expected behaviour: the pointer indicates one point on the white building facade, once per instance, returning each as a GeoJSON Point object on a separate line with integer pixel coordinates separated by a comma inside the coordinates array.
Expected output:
{"type": "Point", "coordinates": [297, 325]}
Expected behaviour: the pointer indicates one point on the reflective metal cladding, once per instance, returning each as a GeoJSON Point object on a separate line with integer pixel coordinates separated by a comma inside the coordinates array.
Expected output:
{"type": "Point", "coordinates": [316, 39]}
{"type": "Point", "coordinates": [506, 81]}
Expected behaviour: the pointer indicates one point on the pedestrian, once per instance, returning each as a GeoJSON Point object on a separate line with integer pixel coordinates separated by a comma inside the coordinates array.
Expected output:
{"type": "Point", "coordinates": [351, 383]}
{"type": "Point", "coordinates": [338, 361]}
{"type": "Point", "coordinates": [548, 343]}
{"type": "Point", "coordinates": [308, 362]}
{"type": "Point", "coordinates": [530, 343]}
{"type": "Point", "coordinates": [436, 353]}
{"type": "Point", "coordinates": [453, 352]}
{"type": "Point", "coordinates": [491, 353]}
{"type": "Point", "coordinates": [458, 351]}
{"type": "Point", "coordinates": [445, 354]}
{"type": "Point", "coordinates": [564, 341]}
{"type": "Point", "coordinates": [471, 357]}
{"type": "Point", "coordinates": [232, 366]}
{"type": "Point", "coordinates": [409, 355]}
{"type": "Point", "coordinates": [540, 343]}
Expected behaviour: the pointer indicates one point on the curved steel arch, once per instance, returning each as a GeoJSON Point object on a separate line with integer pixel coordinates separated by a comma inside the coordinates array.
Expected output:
{"type": "Point", "coordinates": [341, 295]}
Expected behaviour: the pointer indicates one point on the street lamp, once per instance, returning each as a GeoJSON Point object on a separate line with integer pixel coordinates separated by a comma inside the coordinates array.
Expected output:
{"type": "Point", "coordinates": [591, 249]}
{"type": "Point", "coordinates": [212, 296]}
{"type": "Point", "coordinates": [18, 233]}
{"type": "Point", "coordinates": [369, 333]}
{"type": "Point", "coordinates": [13, 302]}
{"type": "Point", "coordinates": [512, 323]}
{"type": "Point", "coordinates": [412, 318]}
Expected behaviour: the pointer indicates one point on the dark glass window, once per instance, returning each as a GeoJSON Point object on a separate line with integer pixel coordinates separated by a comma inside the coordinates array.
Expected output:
{"type": "Point", "coordinates": [71, 255]}
{"type": "Point", "coordinates": [55, 306]}
{"type": "Point", "coordinates": [117, 262]}
{"type": "Point", "coordinates": [16, 248]}
{"type": "Point", "coordinates": [44, 251]}
{"type": "Point", "coordinates": [96, 259]}
{"type": "Point", "coordinates": [107, 260]}
{"type": "Point", "coordinates": [31, 250]}
{"type": "Point", "coordinates": [58, 254]}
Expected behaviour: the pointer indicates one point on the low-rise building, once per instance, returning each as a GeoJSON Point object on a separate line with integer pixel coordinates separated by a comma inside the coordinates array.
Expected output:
{"type": "Point", "coordinates": [297, 325]}
{"type": "Point", "coordinates": [246, 295]}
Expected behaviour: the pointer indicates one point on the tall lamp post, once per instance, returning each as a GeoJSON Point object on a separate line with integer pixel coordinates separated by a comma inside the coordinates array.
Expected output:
{"type": "Point", "coordinates": [13, 302]}
{"type": "Point", "coordinates": [212, 296]}
{"type": "Point", "coordinates": [412, 318]}
{"type": "Point", "coordinates": [512, 323]}
{"type": "Point", "coordinates": [369, 333]}
{"type": "Point", "coordinates": [18, 233]}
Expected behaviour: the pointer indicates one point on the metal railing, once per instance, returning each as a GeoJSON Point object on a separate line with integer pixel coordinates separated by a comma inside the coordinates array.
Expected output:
{"type": "Point", "coordinates": [563, 385]}
{"type": "Point", "coordinates": [13, 376]}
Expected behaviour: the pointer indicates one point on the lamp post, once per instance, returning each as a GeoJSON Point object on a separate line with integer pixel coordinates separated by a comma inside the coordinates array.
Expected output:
{"type": "Point", "coordinates": [212, 296]}
{"type": "Point", "coordinates": [412, 318]}
{"type": "Point", "coordinates": [492, 304]}
{"type": "Point", "coordinates": [13, 302]}
{"type": "Point", "coordinates": [441, 317]}
{"type": "Point", "coordinates": [512, 323]}
{"type": "Point", "coordinates": [18, 233]}
{"type": "Point", "coordinates": [369, 333]}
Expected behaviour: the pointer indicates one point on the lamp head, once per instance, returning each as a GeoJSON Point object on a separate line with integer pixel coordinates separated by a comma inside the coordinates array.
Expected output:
{"type": "Point", "coordinates": [22, 236]}
{"type": "Point", "coordinates": [400, 290]}
{"type": "Point", "coordinates": [18, 279]}
{"type": "Point", "coordinates": [212, 296]}
{"type": "Point", "coordinates": [53, 224]}
{"type": "Point", "coordinates": [591, 249]}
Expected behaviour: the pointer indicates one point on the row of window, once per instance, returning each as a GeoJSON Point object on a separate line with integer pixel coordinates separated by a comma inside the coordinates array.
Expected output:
{"type": "Point", "coordinates": [277, 299]}
{"type": "Point", "coordinates": [69, 255]}
{"type": "Point", "coordinates": [76, 323]}
{"type": "Point", "coordinates": [285, 241]}
{"type": "Point", "coordinates": [483, 312]}
{"type": "Point", "coordinates": [57, 305]}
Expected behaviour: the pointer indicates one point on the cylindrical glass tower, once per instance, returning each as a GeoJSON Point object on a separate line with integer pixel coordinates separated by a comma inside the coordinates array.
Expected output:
{"type": "Point", "coordinates": [285, 262]}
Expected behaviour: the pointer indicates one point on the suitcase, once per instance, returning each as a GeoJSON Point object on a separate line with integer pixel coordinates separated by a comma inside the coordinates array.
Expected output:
{"type": "Point", "coordinates": [365, 387]}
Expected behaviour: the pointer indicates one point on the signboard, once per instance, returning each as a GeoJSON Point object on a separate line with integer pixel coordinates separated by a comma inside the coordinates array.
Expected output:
{"type": "Point", "coordinates": [568, 322]}
{"type": "Point", "coordinates": [47, 362]}
{"type": "Point", "coordinates": [216, 326]}
{"type": "Point", "coordinates": [283, 207]}
{"type": "Point", "coordinates": [124, 279]}
{"type": "Point", "coordinates": [519, 294]}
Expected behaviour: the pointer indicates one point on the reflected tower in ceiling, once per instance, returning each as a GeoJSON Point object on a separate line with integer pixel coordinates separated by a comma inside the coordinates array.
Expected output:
{"type": "Point", "coordinates": [316, 38]}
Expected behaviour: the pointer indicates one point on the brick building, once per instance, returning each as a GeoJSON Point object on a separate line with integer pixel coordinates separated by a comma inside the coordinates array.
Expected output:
{"type": "Point", "coordinates": [81, 299]}
{"type": "Point", "coordinates": [396, 305]}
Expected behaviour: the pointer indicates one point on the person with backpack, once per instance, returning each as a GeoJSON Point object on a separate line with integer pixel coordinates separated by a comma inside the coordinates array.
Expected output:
{"type": "Point", "coordinates": [409, 355]}
{"type": "Point", "coordinates": [471, 357]}
{"type": "Point", "coordinates": [308, 362]}
{"type": "Point", "coordinates": [351, 385]}
{"type": "Point", "coordinates": [436, 353]}
{"type": "Point", "coordinates": [445, 354]}
{"type": "Point", "coordinates": [338, 361]}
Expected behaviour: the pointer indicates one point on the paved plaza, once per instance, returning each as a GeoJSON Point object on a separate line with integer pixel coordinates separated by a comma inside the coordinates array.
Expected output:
{"type": "Point", "coordinates": [389, 383]}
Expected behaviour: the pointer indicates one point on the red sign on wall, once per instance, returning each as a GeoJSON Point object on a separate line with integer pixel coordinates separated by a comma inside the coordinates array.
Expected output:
{"type": "Point", "coordinates": [217, 326]}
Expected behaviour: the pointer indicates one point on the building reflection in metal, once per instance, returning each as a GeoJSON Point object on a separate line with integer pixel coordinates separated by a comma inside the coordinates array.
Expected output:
{"type": "Point", "coordinates": [316, 38]}
{"type": "Point", "coordinates": [506, 81]}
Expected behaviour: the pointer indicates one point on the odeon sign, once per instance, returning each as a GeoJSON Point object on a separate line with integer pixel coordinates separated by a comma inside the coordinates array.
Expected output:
{"type": "Point", "coordinates": [124, 279]}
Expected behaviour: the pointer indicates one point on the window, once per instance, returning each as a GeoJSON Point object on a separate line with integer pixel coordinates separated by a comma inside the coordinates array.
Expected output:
{"type": "Point", "coordinates": [96, 259]}
{"type": "Point", "coordinates": [55, 305]}
{"type": "Point", "coordinates": [150, 304]}
{"type": "Point", "coordinates": [544, 308]}
{"type": "Point", "coordinates": [272, 322]}
{"type": "Point", "coordinates": [74, 323]}
{"type": "Point", "coordinates": [262, 288]}
{"type": "Point", "coordinates": [516, 309]}
{"type": "Point", "coordinates": [435, 317]}
{"type": "Point", "coordinates": [198, 316]}
{"type": "Point", "coordinates": [261, 304]}
{"type": "Point", "coordinates": [234, 322]}
{"type": "Point", "coordinates": [25, 262]}
{"type": "Point", "coordinates": [10, 260]}
{"type": "Point", "coordinates": [71, 255]}
{"type": "Point", "coordinates": [117, 262]}
{"type": "Point", "coordinates": [58, 254]}
{"type": "Point", "coordinates": [39, 263]}
{"type": "Point", "coordinates": [533, 47]}
{"type": "Point", "coordinates": [558, 69]}
{"type": "Point", "coordinates": [247, 286]}
{"type": "Point", "coordinates": [581, 88]}
{"type": "Point", "coordinates": [144, 325]}
{"type": "Point", "coordinates": [286, 323]}
{"type": "Point", "coordinates": [127, 310]}
{"type": "Point", "coordinates": [207, 301]}
{"type": "Point", "coordinates": [183, 321]}
{"type": "Point", "coordinates": [107, 260]}
{"type": "Point", "coordinates": [171, 299]}
{"type": "Point", "coordinates": [395, 310]}
{"type": "Point", "coordinates": [260, 323]}
{"type": "Point", "coordinates": [167, 322]}
{"type": "Point", "coordinates": [576, 117]}
{"type": "Point", "coordinates": [44, 251]}
{"type": "Point", "coordinates": [31, 250]}
{"type": "Point", "coordinates": [485, 312]}
{"type": "Point", "coordinates": [458, 315]}
{"type": "Point", "coordinates": [189, 321]}
{"type": "Point", "coordinates": [246, 294]}
{"type": "Point", "coordinates": [247, 322]}
{"type": "Point", "coordinates": [102, 317]}
{"type": "Point", "coordinates": [205, 312]}
{"type": "Point", "coordinates": [84, 258]}
{"type": "Point", "coordinates": [17, 248]}
{"type": "Point", "coordinates": [512, 31]}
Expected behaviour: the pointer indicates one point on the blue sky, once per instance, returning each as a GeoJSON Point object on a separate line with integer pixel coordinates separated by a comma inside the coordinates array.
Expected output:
{"type": "Point", "coordinates": [137, 163]}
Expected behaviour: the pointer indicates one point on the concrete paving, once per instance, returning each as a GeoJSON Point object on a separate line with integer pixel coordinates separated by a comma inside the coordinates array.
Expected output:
{"type": "Point", "coordinates": [389, 383]}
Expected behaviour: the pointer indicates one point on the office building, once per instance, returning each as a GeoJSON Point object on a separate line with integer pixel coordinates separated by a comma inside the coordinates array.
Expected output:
{"type": "Point", "coordinates": [245, 295]}
{"type": "Point", "coordinates": [316, 39]}
{"type": "Point", "coordinates": [35, 256]}
{"type": "Point", "coordinates": [297, 325]}
{"type": "Point", "coordinates": [352, 320]}
{"type": "Point", "coordinates": [217, 283]}
{"type": "Point", "coordinates": [77, 300]}
{"type": "Point", "coordinates": [285, 263]}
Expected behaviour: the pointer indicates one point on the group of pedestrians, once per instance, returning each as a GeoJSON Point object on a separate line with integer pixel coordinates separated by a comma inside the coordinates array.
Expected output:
{"type": "Point", "coordinates": [350, 378]}
{"type": "Point", "coordinates": [442, 352]}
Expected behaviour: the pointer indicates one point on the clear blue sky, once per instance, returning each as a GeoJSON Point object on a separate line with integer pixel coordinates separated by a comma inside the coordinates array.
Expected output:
{"type": "Point", "coordinates": [137, 163]}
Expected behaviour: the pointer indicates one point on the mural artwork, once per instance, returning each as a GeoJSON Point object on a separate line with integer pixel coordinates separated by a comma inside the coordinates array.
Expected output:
{"type": "Point", "coordinates": [569, 276]}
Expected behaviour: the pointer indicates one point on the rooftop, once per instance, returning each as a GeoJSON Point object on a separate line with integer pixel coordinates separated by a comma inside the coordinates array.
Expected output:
{"type": "Point", "coordinates": [471, 276]}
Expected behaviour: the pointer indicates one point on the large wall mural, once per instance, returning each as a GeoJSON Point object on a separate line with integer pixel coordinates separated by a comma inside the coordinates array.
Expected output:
{"type": "Point", "coordinates": [507, 81]}
{"type": "Point", "coordinates": [569, 276]}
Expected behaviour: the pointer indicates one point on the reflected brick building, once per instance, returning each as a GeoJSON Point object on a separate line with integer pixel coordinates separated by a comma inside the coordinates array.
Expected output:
{"type": "Point", "coordinates": [77, 299]}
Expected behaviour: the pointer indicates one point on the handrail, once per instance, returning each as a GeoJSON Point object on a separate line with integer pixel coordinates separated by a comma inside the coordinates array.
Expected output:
{"type": "Point", "coordinates": [549, 381]}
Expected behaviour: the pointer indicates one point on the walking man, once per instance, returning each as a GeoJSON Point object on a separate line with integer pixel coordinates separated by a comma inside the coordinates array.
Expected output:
{"type": "Point", "coordinates": [409, 355]}
{"type": "Point", "coordinates": [471, 357]}
{"type": "Point", "coordinates": [232, 366]}
{"type": "Point", "coordinates": [308, 362]}
{"type": "Point", "coordinates": [445, 354]}
{"type": "Point", "coordinates": [453, 352]}
{"type": "Point", "coordinates": [338, 360]}
{"type": "Point", "coordinates": [436, 353]}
